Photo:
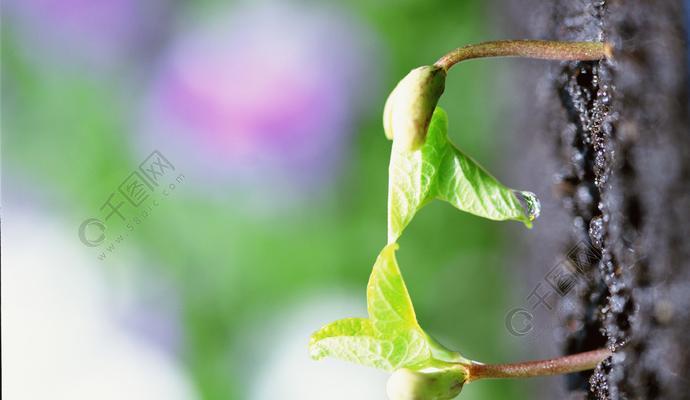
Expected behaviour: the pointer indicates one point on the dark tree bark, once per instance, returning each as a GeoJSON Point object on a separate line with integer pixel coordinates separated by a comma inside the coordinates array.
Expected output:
{"type": "Point", "coordinates": [617, 134]}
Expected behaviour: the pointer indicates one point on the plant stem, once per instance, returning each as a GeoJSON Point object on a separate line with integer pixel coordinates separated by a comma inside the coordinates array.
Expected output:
{"type": "Point", "coordinates": [556, 366]}
{"type": "Point", "coordinates": [542, 49]}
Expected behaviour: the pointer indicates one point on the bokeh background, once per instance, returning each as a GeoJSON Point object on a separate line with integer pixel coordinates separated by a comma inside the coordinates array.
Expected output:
{"type": "Point", "coordinates": [269, 209]}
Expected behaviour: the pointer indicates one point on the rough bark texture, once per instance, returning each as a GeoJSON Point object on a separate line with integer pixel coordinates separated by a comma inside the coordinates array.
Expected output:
{"type": "Point", "coordinates": [618, 138]}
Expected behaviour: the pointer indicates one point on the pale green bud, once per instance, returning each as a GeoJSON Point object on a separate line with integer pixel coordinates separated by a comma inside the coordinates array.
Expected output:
{"type": "Point", "coordinates": [410, 105]}
{"type": "Point", "coordinates": [430, 383]}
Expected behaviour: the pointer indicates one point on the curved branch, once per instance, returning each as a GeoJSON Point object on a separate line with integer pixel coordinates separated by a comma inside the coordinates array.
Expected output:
{"type": "Point", "coordinates": [541, 49]}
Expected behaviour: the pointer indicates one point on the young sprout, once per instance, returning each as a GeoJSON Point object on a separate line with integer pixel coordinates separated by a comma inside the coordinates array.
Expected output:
{"type": "Point", "coordinates": [391, 339]}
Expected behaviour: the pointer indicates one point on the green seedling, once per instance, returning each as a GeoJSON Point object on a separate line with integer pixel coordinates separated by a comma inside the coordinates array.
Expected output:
{"type": "Point", "coordinates": [423, 369]}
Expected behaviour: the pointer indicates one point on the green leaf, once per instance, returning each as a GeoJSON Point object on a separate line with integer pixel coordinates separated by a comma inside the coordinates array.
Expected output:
{"type": "Point", "coordinates": [390, 338]}
{"type": "Point", "coordinates": [354, 340]}
{"type": "Point", "coordinates": [439, 170]}
{"type": "Point", "coordinates": [388, 301]}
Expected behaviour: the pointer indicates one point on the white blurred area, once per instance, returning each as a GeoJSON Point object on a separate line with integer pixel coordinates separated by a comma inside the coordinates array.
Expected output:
{"type": "Point", "coordinates": [287, 372]}
{"type": "Point", "coordinates": [63, 339]}
{"type": "Point", "coordinates": [60, 338]}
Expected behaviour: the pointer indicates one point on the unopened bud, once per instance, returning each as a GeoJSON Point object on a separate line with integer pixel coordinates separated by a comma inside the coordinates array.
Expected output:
{"type": "Point", "coordinates": [410, 105]}
{"type": "Point", "coordinates": [426, 384]}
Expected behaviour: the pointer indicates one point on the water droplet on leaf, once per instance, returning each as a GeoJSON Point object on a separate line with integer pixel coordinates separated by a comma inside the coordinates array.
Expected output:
{"type": "Point", "coordinates": [530, 204]}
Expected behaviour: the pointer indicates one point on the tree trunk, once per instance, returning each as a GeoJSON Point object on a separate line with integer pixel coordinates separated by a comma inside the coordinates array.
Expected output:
{"type": "Point", "coordinates": [617, 134]}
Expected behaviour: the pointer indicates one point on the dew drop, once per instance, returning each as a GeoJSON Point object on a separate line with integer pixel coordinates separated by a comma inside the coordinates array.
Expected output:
{"type": "Point", "coordinates": [530, 204]}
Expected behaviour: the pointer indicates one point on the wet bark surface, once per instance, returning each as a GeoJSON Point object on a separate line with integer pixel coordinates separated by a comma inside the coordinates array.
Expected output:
{"type": "Point", "coordinates": [616, 140]}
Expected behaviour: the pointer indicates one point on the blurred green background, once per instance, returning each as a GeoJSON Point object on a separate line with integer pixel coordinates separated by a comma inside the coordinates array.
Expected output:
{"type": "Point", "coordinates": [271, 112]}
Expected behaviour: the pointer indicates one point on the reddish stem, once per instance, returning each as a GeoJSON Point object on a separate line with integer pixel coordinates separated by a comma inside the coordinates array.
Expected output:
{"type": "Point", "coordinates": [556, 366]}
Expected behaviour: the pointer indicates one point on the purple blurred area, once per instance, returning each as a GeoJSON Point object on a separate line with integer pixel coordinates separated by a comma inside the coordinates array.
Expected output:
{"type": "Point", "coordinates": [261, 97]}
